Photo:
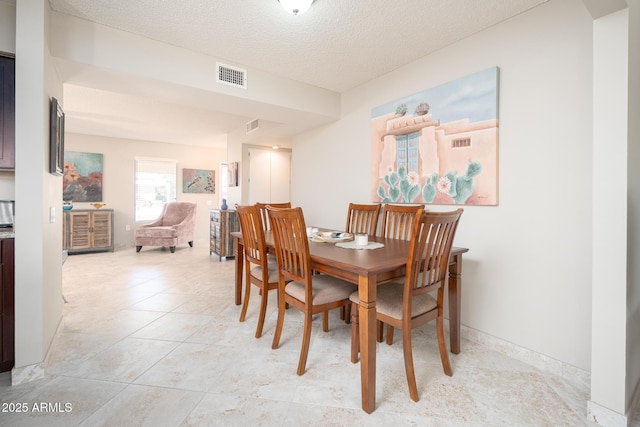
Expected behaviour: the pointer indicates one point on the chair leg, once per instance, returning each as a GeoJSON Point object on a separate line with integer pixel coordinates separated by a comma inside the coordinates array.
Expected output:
{"type": "Point", "coordinates": [380, 331]}
{"type": "Point", "coordinates": [442, 345]}
{"type": "Point", "coordinates": [325, 321]}
{"type": "Point", "coordinates": [343, 312]}
{"type": "Point", "coordinates": [306, 339]}
{"type": "Point", "coordinates": [172, 249]}
{"type": "Point", "coordinates": [408, 363]}
{"type": "Point", "coordinates": [347, 309]}
{"type": "Point", "coordinates": [355, 332]}
{"type": "Point", "coordinates": [245, 304]}
{"type": "Point", "coordinates": [280, 322]}
{"type": "Point", "coordinates": [138, 248]}
{"type": "Point", "coordinates": [263, 311]}
{"type": "Point", "coordinates": [389, 334]}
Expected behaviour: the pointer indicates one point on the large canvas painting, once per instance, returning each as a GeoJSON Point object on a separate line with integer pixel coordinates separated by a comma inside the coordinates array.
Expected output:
{"type": "Point", "coordinates": [440, 145]}
{"type": "Point", "coordinates": [198, 181]}
{"type": "Point", "coordinates": [82, 180]}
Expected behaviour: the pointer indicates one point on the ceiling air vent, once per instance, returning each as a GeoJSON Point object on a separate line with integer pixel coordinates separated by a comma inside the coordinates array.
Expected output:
{"type": "Point", "coordinates": [253, 125]}
{"type": "Point", "coordinates": [231, 76]}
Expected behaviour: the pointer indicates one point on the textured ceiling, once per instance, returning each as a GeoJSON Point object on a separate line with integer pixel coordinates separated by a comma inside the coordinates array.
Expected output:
{"type": "Point", "coordinates": [336, 45]}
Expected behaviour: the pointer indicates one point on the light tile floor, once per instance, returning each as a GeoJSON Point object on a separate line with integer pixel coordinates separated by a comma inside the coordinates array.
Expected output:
{"type": "Point", "coordinates": [153, 339]}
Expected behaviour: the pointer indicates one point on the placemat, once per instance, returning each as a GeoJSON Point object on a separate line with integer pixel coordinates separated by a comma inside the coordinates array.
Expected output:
{"type": "Point", "coordinates": [352, 245]}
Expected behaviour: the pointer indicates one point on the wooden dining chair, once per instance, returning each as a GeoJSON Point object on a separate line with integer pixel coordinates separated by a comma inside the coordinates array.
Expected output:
{"type": "Point", "coordinates": [262, 207]}
{"type": "Point", "coordinates": [362, 219]}
{"type": "Point", "coordinates": [408, 305]}
{"type": "Point", "coordinates": [261, 269]}
{"type": "Point", "coordinates": [397, 223]}
{"type": "Point", "coordinates": [310, 293]}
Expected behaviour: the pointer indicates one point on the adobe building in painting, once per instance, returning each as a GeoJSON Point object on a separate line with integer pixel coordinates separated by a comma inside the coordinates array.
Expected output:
{"type": "Point", "coordinates": [419, 158]}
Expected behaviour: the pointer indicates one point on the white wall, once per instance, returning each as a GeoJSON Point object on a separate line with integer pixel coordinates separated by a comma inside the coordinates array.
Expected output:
{"type": "Point", "coordinates": [119, 179]}
{"type": "Point", "coordinates": [610, 75]}
{"type": "Point", "coordinates": [526, 277]}
{"type": "Point", "coordinates": [633, 183]}
{"type": "Point", "coordinates": [38, 277]}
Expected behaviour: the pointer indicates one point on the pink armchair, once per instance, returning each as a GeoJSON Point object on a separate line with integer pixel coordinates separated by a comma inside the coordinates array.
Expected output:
{"type": "Point", "coordinates": [174, 226]}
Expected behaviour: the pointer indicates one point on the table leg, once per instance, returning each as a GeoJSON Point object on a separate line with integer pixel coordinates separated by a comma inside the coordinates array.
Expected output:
{"type": "Point", "coordinates": [239, 267]}
{"type": "Point", "coordinates": [368, 330]}
{"type": "Point", "coordinates": [455, 292]}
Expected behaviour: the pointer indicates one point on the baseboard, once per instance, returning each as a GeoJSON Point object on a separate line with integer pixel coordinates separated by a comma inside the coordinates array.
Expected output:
{"type": "Point", "coordinates": [539, 361]}
{"type": "Point", "coordinates": [24, 374]}
{"type": "Point", "coordinates": [606, 417]}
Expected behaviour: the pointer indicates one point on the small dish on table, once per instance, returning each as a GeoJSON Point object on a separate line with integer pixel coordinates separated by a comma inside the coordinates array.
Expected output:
{"type": "Point", "coordinates": [332, 236]}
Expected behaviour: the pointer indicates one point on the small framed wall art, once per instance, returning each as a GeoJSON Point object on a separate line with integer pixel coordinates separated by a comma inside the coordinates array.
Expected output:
{"type": "Point", "coordinates": [56, 139]}
{"type": "Point", "coordinates": [198, 181]}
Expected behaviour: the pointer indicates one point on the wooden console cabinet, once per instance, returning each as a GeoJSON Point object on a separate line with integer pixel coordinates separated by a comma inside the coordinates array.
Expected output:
{"type": "Point", "coordinates": [88, 230]}
{"type": "Point", "coordinates": [222, 224]}
{"type": "Point", "coordinates": [7, 310]}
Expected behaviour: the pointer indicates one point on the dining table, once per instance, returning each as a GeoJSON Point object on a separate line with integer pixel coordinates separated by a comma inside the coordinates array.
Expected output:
{"type": "Point", "coordinates": [368, 268]}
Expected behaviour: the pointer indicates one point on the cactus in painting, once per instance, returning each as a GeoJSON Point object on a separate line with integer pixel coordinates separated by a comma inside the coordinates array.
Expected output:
{"type": "Point", "coordinates": [409, 185]}
{"type": "Point", "coordinates": [391, 179]}
{"type": "Point", "coordinates": [429, 189]}
{"type": "Point", "coordinates": [459, 188]}
{"type": "Point", "coordinates": [401, 186]}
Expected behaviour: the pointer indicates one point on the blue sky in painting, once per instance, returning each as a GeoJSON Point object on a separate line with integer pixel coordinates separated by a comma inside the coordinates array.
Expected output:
{"type": "Point", "coordinates": [473, 97]}
{"type": "Point", "coordinates": [85, 163]}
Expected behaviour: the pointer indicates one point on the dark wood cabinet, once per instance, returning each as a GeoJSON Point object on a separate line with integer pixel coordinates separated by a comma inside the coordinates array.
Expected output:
{"type": "Point", "coordinates": [7, 112]}
{"type": "Point", "coordinates": [7, 310]}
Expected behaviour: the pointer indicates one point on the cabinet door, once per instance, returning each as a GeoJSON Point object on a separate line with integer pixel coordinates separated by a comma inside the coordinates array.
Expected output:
{"type": "Point", "coordinates": [80, 230]}
{"type": "Point", "coordinates": [7, 112]}
{"type": "Point", "coordinates": [101, 229]}
{"type": "Point", "coordinates": [7, 310]}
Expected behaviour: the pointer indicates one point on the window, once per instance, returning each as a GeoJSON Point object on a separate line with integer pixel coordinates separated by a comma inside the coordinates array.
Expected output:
{"type": "Point", "coordinates": [461, 142]}
{"type": "Point", "coordinates": [155, 185]}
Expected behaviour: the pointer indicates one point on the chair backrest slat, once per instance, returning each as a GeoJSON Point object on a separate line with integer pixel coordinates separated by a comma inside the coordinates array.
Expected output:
{"type": "Point", "coordinates": [428, 262]}
{"type": "Point", "coordinates": [362, 219]}
{"type": "Point", "coordinates": [397, 220]}
{"type": "Point", "coordinates": [291, 245]}
{"type": "Point", "coordinates": [262, 207]}
{"type": "Point", "coordinates": [255, 248]}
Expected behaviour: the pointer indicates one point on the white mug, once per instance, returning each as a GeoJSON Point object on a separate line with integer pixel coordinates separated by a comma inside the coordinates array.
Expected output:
{"type": "Point", "coordinates": [362, 239]}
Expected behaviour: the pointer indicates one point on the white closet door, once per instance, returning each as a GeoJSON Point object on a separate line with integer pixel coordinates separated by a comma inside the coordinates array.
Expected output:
{"type": "Point", "coordinates": [259, 176]}
{"type": "Point", "coordinates": [280, 177]}
{"type": "Point", "coordinates": [269, 176]}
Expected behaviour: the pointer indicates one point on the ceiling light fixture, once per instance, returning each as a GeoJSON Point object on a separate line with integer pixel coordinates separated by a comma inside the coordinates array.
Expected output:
{"type": "Point", "coordinates": [296, 7]}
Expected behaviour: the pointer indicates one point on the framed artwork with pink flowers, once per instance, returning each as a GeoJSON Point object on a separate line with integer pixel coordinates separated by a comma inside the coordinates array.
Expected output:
{"type": "Point", "coordinates": [82, 179]}
{"type": "Point", "coordinates": [438, 146]}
